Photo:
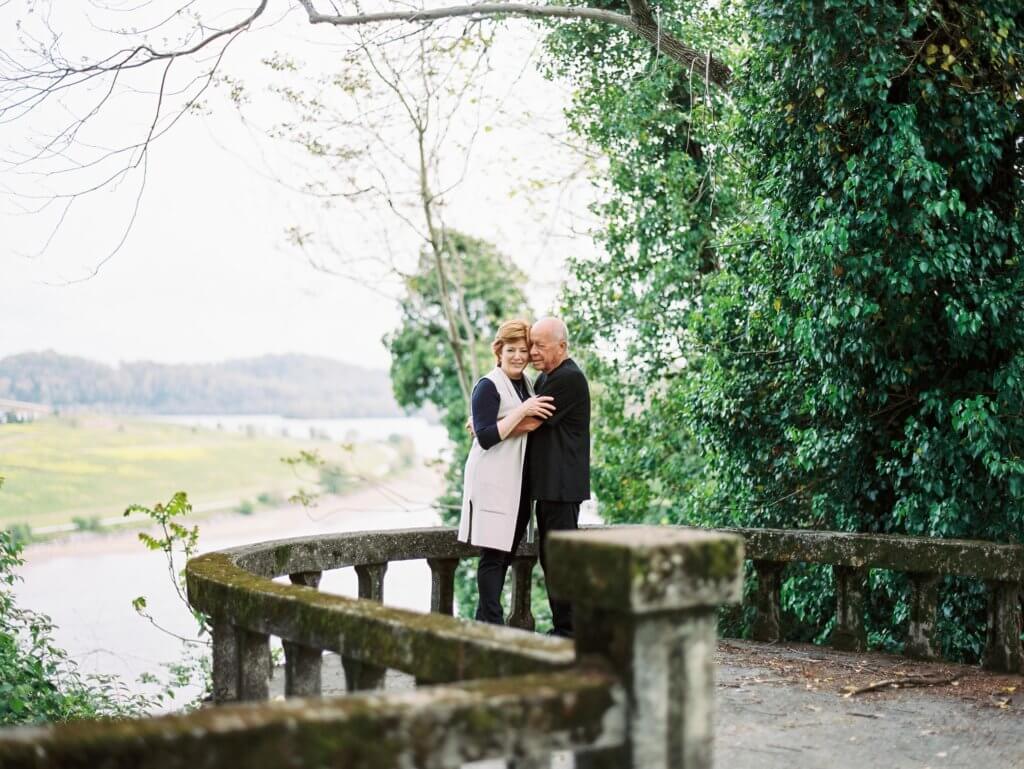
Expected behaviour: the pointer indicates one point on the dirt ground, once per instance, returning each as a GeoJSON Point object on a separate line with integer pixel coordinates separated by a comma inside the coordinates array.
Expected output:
{"type": "Point", "coordinates": [797, 706]}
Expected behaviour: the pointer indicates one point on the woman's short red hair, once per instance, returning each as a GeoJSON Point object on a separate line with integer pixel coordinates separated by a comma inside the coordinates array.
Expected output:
{"type": "Point", "coordinates": [508, 332]}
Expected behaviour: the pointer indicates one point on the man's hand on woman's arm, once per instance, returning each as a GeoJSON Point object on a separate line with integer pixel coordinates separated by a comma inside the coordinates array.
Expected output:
{"type": "Point", "coordinates": [537, 407]}
{"type": "Point", "coordinates": [528, 425]}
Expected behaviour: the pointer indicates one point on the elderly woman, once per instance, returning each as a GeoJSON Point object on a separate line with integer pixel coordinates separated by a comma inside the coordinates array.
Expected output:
{"type": "Point", "coordinates": [496, 495]}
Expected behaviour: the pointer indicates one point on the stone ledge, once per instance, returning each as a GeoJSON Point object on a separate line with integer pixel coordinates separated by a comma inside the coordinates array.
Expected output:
{"type": "Point", "coordinates": [432, 728]}
{"type": "Point", "coordinates": [434, 647]}
{"type": "Point", "coordinates": [923, 555]}
{"type": "Point", "coordinates": [646, 569]}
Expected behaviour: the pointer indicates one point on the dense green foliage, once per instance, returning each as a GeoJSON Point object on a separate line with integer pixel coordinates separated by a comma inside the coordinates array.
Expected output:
{"type": "Point", "coordinates": [666, 194]}
{"type": "Point", "coordinates": [851, 356]}
{"type": "Point", "coordinates": [38, 682]}
{"type": "Point", "coordinates": [290, 385]}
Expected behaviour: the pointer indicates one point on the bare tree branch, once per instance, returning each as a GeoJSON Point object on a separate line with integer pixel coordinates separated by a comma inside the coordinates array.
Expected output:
{"type": "Point", "coordinates": [640, 22]}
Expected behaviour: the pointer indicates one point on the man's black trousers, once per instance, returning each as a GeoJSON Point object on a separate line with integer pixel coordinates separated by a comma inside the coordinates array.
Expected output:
{"type": "Point", "coordinates": [557, 516]}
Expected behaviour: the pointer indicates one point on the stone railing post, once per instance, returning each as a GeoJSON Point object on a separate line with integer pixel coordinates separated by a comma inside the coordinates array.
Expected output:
{"type": "Point", "coordinates": [302, 664]}
{"type": "Point", "coordinates": [361, 675]}
{"type": "Point", "coordinates": [851, 590]}
{"type": "Point", "coordinates": [521, 614]}
{"type": "Point", "coordinates": [645, 602]}
{"type": "Point", "coordinates": [442, 584]}
{"type": "Point", "coordinates": [1003, 650]}
{"type": "Point", "coordinates": [924, 602]}
{"type": "Point", "coordinates": [253, 665]}
{"type": "Point", "coordinates": [768, 601]}
{"type": "Point", "coordinates": [225, 661]}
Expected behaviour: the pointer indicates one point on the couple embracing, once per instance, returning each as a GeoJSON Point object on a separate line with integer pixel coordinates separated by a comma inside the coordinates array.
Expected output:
{"type": "Point", "coordinates": [531, 444]}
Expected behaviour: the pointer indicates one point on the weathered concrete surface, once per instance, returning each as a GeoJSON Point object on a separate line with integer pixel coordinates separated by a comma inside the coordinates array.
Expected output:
{"type": "Point", "coordinates": [925, 555]}
{"type": "Point", "coordinates": [433, 728]}
{"type": "Point", "coordinates": [781, 707]}
{"type": "Point", "coordinates": [435, 647]}
{"type": "Point", "coordinates": [645, 568]}
{"type": "Point", "coordinates": [644, 601]}
{"type": "Point", "coordinates": [768, 718]}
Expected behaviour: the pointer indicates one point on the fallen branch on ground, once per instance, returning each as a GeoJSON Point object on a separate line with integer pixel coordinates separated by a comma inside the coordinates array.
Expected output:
{"type": "Point", "coordinates": [906, 682]}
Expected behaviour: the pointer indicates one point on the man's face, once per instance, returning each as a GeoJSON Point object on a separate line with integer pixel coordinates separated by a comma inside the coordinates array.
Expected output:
{"type": "Point", "coordinates": [545, 352]}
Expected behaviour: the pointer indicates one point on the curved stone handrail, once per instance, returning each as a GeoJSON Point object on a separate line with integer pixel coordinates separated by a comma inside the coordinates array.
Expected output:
{"type": "Point", "coordinates": [917, 555]}
{"type": "Point", "coordinates": [636, 688]}
{"type": "Point", "coordinates": [236, 588]}
{"type": "Point", "coordinates": [221, 584]}
{"type": "Point", "coordinates": [634, 691]}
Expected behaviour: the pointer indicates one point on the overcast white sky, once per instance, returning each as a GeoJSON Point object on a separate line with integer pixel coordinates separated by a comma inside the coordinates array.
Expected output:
{"type": "Point", "coordinates": [206, 272]}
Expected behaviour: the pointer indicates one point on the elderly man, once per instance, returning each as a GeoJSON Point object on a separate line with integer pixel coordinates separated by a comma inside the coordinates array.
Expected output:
{"type": "Point", "coordinates": [559, 448]}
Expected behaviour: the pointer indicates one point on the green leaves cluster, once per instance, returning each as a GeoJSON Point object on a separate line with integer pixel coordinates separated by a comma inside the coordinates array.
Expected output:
{"type": "Point", "coordinates": [39, 683]}
{"type": "Point", "coordinates": [666, 190]}
{"type": "Point", "coordinates": [854, 358]}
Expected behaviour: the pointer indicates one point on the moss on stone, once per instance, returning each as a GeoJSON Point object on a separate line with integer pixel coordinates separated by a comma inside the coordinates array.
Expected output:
{"type": "Point", "coordinates": [428, 727]}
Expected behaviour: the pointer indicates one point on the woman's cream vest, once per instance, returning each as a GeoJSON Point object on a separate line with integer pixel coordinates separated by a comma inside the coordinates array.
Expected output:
{"type": "Point", "coordinates": [493, 479]}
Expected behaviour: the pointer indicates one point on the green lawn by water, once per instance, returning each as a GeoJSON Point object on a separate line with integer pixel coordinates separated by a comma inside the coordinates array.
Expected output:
{"type": "Point", "coordinates": [94, 466]}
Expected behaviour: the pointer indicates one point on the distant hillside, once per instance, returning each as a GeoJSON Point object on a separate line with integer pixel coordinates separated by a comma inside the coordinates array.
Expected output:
{"type": "Point", "coordinates": [290, 385]}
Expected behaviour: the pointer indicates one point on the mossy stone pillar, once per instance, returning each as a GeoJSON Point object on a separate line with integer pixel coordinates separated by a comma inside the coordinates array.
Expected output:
{"type": "Point", "coordinates": [302, 665]}
{"type": "Point", "coordinates": [442, 584]}
{"type": "Point", "coordinates": [225, 661]}
{"type": "Point", "coordinates": [361, 675]}
{"type": "Point", "coordinates": [924, 602]}
{"type": "Point", "coordinates": [371, 581]}
{"type": "Point", "coordinates": [768, 601]}
{"type": "Point", "coordinates": [851, 590]}
{"type": "Point", "coordinates": [1003, 646]}
{"type": "Point", "coordinates": [521, 615]}
{"type": "Point", "coordinates": [645, 602]}
{"type": "Point", "coordinates": [253, 665]}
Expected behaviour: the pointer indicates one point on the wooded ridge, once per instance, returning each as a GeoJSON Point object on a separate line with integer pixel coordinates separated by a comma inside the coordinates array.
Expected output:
{"type": "Point", "coordinates": [290, 385]}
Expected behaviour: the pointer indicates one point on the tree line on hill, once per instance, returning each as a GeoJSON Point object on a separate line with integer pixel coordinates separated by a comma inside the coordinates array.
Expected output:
{"type": "Point", "coordinates": [289, 385]}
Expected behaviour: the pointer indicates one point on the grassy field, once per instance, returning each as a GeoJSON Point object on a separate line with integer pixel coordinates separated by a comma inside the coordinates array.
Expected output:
{"type": "Point", "coordinates": [87, 467]}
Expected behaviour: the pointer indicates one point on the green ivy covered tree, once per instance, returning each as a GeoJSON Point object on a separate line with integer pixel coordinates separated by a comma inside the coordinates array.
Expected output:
{"type": "Point", "coordinates": [666, 188]}
{"type": "Point", "coordinates": [847, 308]}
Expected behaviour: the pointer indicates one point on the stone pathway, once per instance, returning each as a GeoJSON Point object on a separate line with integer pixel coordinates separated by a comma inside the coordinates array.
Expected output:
{"type": "Point", "coordinates": [783, 707]}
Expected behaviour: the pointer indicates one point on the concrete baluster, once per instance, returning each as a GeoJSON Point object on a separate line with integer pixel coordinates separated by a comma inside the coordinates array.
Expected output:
{"type": "Point", "coordinates": [924, 601]}
{"type": "Point", "coordinates": [302, 665]}
{"type": "Point", "coordinates": [225, 661]}
{"type": "Point", "coordinates": [361, 675]}
{"type": "Point", "coordinates": [768, 601]}
{"type": "Point", "coordinates": [521, 615]}
{"type": "Point", "coordinates": [253, 665]}
{"type": "Point", "coordinates": [1003, 650]}
{"type": "Point", "coordinates": [645, 602]}
{"type": "Point", "coordinates": [851, 591]}
{"type": "Point", "coordinates": [442, 584]}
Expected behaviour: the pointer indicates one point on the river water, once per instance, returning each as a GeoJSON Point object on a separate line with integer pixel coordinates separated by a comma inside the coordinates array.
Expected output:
{"type": "Point", "coordinates": [429, 439]}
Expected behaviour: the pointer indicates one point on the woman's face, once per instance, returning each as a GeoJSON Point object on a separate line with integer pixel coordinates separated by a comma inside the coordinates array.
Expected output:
{"type": "Point", "coordinates": [514, 357]}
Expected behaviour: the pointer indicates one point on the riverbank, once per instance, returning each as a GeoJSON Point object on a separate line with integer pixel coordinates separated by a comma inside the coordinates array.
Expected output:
{"type": "Point", "coordinates": [81, 472]}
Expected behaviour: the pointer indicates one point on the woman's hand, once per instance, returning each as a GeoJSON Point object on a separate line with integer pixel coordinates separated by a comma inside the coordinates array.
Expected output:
{"type": "Point", "coordinates": [539, 406]}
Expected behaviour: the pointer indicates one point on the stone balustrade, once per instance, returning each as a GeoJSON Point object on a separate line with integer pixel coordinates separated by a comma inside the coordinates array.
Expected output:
{"type": "Point", "coordinates": [635, 690]}
{"type": "Point", "coordinates": [924, 559]}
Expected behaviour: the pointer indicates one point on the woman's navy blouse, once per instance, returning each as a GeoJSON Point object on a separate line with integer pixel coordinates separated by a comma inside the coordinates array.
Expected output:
{"type": "Point", "coordinates": [485, 409]}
